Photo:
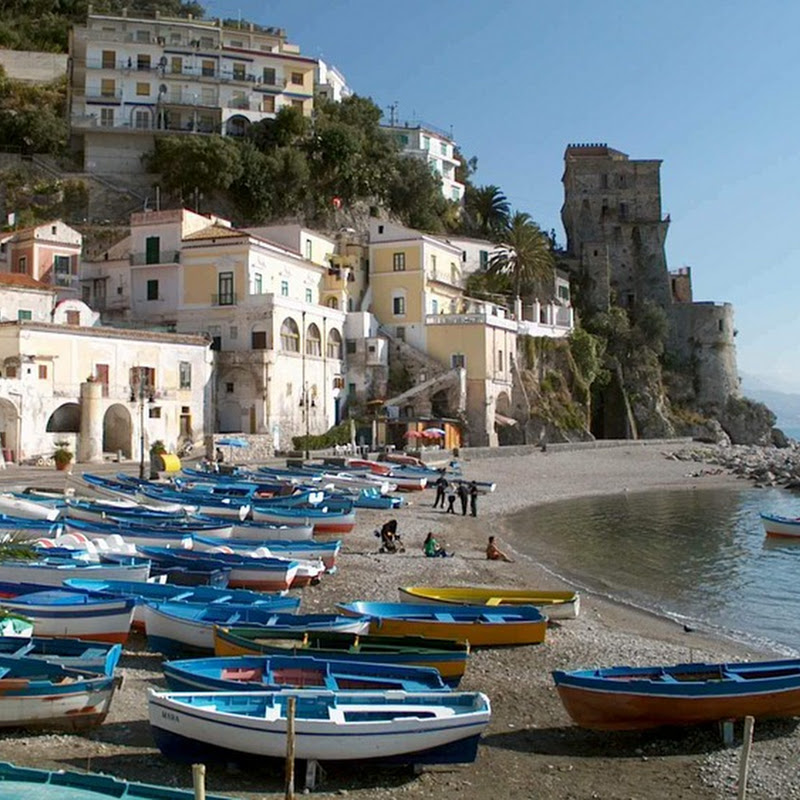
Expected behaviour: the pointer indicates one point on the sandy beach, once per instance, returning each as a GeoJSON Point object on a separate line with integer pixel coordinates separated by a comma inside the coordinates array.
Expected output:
{"type": "Point", "coordinates": [531, 748]}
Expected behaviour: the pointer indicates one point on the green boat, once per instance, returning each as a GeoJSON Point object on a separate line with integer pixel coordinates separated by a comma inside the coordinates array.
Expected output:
{"type": "Point", "coordinates": [446, 655]}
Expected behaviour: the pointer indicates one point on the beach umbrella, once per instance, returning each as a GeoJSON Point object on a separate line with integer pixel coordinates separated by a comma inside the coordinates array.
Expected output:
{"type": "Point", "coordinates": [231, 441]}
{"type": "Point", "coordinates": [413, 434]}
{"type": "Point", "coordinates": [433, 432]}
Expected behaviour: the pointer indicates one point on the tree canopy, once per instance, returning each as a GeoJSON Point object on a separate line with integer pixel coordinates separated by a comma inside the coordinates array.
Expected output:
{"type": "Point", "coordinates": [523, 253]}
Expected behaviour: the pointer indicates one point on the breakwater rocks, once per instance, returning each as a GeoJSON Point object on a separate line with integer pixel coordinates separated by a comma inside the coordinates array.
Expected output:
{"type": "Point", "coordinates": [765, 466]}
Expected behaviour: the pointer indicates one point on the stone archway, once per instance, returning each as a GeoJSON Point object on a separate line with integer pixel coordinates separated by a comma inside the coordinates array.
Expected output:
{"type": "Point", "coordinates": [65, 419]}
{"type": "Point", "coordinates": [118, 430]}
{"type": "Point", "coordinates": [9, 429]}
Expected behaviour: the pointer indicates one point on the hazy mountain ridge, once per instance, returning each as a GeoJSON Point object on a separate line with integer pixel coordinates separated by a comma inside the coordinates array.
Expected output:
{"type": "Point", "coordinates": [785, 405]}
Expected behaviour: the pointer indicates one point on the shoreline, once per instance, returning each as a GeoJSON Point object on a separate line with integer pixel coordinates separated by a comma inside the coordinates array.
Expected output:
{"type": "Point", "coordinates": [531, 748]}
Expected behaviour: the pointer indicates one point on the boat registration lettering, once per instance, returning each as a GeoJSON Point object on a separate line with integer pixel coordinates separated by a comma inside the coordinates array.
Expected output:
{"type": "Point", "coordinates": [170, 715]}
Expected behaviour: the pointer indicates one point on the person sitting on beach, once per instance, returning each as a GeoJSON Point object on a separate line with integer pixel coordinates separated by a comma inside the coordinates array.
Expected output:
{"type": "Point", "coordinates": [390, 540]}
{"type": "Point", "coordinates": [494, 553]}
{"type": "Point", "coordinates": [432, 548]}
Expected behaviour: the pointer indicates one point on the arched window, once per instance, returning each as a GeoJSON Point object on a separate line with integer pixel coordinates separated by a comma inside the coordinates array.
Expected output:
{"type": "Point", "coordinates": [313, 341]}
{"type": "Point", "coordinates": [334, 344]}
{"type": "Point", "coordinates": [332, 302]}
{"type": "Point", "coordinates": [290, 336]}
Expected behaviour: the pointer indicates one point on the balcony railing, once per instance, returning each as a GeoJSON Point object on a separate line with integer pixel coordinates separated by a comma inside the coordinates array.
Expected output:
{"type": "Point", "coordinates": [164, 257]}
{"type": "Point", "coordinates": [190, 99]}
{"type": "Point", "coordinates": [97, 95]}
{"type": "Point", "coordinates": [228, 299]}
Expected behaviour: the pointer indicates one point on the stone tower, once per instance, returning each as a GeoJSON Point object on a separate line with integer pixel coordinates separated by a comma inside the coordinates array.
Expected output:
{"type": "Point", "coordinates": [614, 226]}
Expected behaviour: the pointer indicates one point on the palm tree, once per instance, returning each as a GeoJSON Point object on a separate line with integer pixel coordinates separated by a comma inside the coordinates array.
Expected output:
{"type": "Point", "coordinates": [523, 253]}
{"type": "Point", "coordinates": [488, 210]}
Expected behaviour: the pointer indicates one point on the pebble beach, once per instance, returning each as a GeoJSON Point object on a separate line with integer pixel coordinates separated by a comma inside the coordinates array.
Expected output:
{"type": "Point", "coordinates": [531, 749]}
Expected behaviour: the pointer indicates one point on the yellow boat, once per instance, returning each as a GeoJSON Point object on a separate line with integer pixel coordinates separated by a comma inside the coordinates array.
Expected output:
{"type": "Point", "coordinates": [479, 625]}
{"type": "Point", "coordinates": [557, 605]}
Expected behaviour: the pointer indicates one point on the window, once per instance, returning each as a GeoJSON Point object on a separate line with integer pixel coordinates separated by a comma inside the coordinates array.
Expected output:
{"type": "Point", "coordinates": [334, 349]}
{"type": "Point", "coordinates": [434, 306]}
{"type": "Point", "coordinates": [313, 341]}
{"type": "Point", "coordinates": [458, 361]}
{"type": "Point", "coordinates": [623, 210]}
{"type": "Point", "coordinates": [154, 412]}
{"type": "Point", "coordinates": [239, 99]}
{"type": "Point", "coordinates": [399, 306]}
{"type": "Point", "coordinates": [142, 36]}
{"type": "Point", "coordinates": [142, 119]}
{"type": "Point", "coordinates": [499, 361]}
{"type": "Point", "coordinates": [258, 340]}
{"type": "Point", "coordinates": [109, 59]}
{"type": "Point", "coordinates": [309, 296]}
{"type": "Point", "coordinates": [433, 266]}
{"type": "Point", "coordinates": [351, 389]}
{"type": "Point", "coordinates": [73, 317]}
{"type": "Point", "coordinates": [284, 288]}
{"type": "Point", "coordinates": [184, 375]}
{"type": "Point", "coordinates": [443, 148]}
{"type": "Point", "coordinates": [42, 372]}
{"type": "Point", "coordinates": [258, 284]}
{"type": "Point", "coordinates": [351, 347]}
{"type": "Point", "coordinates": [234, 332]}
{"type": "Point", "coordinates": [22, 265]}
{"type": "Point", "coordinates": [106, 117]}
{"type": "Point", "coordinates": [308, 249]}
{"type": "Point", "coordinates": [298, 104]}
{"type": "Point", "coordinates": [239, 72]}
{"type": "Point", "coordinates": [399, 262]}
{"type": "Point", "coordinates": [400, 333]}
{"type": "Point", "coordinates": [176, 65]}
{"type": "Point", "coordinates": [62, 269]}
{"type": "Point", "coordinates": [152, 250]}
{"type": "Point", "coordinates": [225, 283]}
{"type": "Point", "coordinates": [229, 388]}
{"type": "Point", "coordinates": [11, 372]}
{"type": "Point", "coordinates": [152, 290]}
{"type": "Point", "coordinates": [268, 77]}
{"type": "Point", "coordinates": [206, 41]}
{"type": "Point", "coordinates": [268, 104]}
{"type": "Point", "coordinates": [216, 343]}
{"type": "Point", "coordinates": [290, 336]}
{"type": "Point", "coordinates": [143, 90]}
{"type": "Point", "coordinates": [426, 142]}
{"type": "Point", "coordinates": [563, 292]}
{"type": "Point", "coordinates": [207, 68]}
{"type": "Point", "coordinates": [297, 78]}
{"type": "Point", "coordinates": [143, 61]}
{"type": "Point", "coordinates": [483, 259]}
{"type": "Point", "coordinates": [24, 314]}
{"type": "Point", "coordinates": [108, 87]}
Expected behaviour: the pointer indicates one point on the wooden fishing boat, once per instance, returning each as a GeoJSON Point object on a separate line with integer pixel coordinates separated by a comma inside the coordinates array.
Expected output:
{"type": "Point", "coordinates": [272, 673]}
{"type": "Point", "coordinates": [92, 656]}
{"type": "Point", "coordinates": [446, 656]}
{"type": "Point", "coordinates": [162, 592]}
{"type": "Point", "coordinates": [557, 605]}
{"type": "Point", "coordinates": [132, 526]}
{"type": "Point", "coordinates": [634, 698]}
{"type": "Point", "coordinates": [38, 784]}
{"type": "Point", "coordinates": [27, 509]}
{"type": "Point", "coordinates": [68, 613]}
{"type": "Point", "coordinates": [39, 693]}
{"type": "Point", "coordinates": [776, 525]}
{"type": "Point", "coordinates": [53, 571]}
{"type": "Point", "coordinates": [326, 552]}
{"type": "Point", "coordinates": [478, 625]}
{"type": "Point", "coordinates": [323, 520]}
{"type": "Point", "coordinates": [175, 627]}
{"type": "Point", "coordinates": [394, 727]}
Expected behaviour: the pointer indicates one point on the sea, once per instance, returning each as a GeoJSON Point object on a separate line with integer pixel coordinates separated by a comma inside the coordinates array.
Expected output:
{"type": "Point", "coordinates": [698, 557]}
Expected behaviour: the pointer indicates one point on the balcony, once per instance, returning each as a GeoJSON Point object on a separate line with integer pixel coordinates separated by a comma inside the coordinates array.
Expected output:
{"type": "Point", "coordinates": [228, 299]}
{"type": "Point", "coordinates": [164, 257]}
{"type": "Point", "coordinates": [190, 99]}
{"type": "Point", "coordinates": [97, 95]}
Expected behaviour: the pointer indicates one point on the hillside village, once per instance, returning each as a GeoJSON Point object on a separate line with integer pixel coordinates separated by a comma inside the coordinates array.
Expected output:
{"type": "Point", "coordinates": [153, 318]}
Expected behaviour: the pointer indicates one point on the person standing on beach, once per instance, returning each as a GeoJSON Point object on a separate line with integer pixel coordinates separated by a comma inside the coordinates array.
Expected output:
{"type": "Point", "coordinates": [473, 499]}
{"type": "Point", "coordinates": [441, 487]}
{"type": "Point", "coordinates": [451, 499]}
{"type": "Point", "coordinates": [463, 496]}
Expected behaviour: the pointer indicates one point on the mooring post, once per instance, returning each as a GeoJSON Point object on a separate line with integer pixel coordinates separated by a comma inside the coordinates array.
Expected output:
{"type": "Point", "coordinates": [290, 712]}
{"type": "Point", "coordinates": [199, 781]}
{"type": "Point", "coordinates": [744, 761]}
{"type": "Point", "coordinates": [726, 727]}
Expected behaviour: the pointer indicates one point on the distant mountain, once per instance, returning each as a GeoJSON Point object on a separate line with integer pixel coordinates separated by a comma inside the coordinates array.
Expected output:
{"type": "Point", "coordinates": [785, 405]}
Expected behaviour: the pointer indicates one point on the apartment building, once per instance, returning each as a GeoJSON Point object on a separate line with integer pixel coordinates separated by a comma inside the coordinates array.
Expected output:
{"type": "Point", "coordinates": [435, 147]}
{"type": "Point", "coordinates": [131, 79]}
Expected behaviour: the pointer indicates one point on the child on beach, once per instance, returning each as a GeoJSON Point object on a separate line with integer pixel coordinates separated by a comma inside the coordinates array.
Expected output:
{"type": "Point", "coordinates": [494, 553]}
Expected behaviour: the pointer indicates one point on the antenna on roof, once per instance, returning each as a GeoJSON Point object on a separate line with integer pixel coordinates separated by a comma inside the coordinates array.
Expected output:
{"type": "Point", "coordinates": [393, 113]}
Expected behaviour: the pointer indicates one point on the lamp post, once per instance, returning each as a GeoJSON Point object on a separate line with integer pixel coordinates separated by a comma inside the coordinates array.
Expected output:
{"type": "Point", "coordinates": [139, 393]}
{"type": "Point", "coordinates": [307, 412]}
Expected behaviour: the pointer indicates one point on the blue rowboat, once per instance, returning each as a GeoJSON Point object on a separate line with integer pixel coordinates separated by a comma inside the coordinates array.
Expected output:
{"type": "Point", "coordinates": [268, 673]}
{"type": "Point", "coordinates": [217, 577]}
{"type": "Point", "coordinates": [78, 508]}
{"type": "Point", "coordinates": [227, 507]}
{"type": "Point", "coordinates": [134, 521]}
{"type": "Point", "coordinates": [635, 698]}
{"type": "Point", "coordinates": [173, 627]}
{"type": "Point", "coordinates": [393, 727]}
{"type": "Point", "coordinates": [38, 693]}
{"type": "Point", "coordinates": [323, 519]}
{"type": "Point", "coordinates": [778, 526]}
{"type": "Point", "coordinates": [68, 613]}
{"type": "Point", "coordinates": [479, 625]}
{"type": "Point", "coordinates": [39, 784]}
{"type": "Point", "coordinates": [54, 571]}
{"type": "Point", "coordinates": [91, 656]}
{"type": "Point", "coordinates": [326, 552]}
{"type": "Point", "coordinates": [295, 529]}
{"type": "Point", "coordinates": [160, 592]}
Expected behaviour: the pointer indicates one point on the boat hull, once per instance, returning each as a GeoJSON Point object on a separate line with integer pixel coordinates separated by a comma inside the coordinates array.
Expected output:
{"type": "Point", "coordinates": [777, 526]}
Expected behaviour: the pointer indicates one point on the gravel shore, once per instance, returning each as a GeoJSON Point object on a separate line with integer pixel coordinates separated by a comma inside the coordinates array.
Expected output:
{"type": "Point", "coordinates": [531, 749]}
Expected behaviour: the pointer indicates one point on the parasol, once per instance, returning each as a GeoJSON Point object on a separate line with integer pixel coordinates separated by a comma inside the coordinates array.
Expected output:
{"type": "Point", "coordinates": [231, 441]}
{"type": "Point", "coordinates": [433, 432]}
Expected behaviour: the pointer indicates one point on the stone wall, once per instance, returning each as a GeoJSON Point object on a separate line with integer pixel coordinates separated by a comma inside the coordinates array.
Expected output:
{"type": "Point", "coordinates": [259, 448]}
{"type": "Point", "coordinates": [32, 66]}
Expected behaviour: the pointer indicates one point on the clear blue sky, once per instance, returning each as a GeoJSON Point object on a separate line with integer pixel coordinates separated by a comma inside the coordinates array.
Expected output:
{"type": "Point", "coordinates": [708, 87]}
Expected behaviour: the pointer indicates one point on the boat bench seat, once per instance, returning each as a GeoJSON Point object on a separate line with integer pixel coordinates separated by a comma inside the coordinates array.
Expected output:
{"type": "Point", "coordinates": [443, 616]}
{"type": "Point", "coordinates": [493, 618]}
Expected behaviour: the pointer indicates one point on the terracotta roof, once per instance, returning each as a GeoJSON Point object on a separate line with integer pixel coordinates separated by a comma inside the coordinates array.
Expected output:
{"type": "Point", "coordinates": [215, 232]}
{"type": "Point", "coordinates": [22, 281]}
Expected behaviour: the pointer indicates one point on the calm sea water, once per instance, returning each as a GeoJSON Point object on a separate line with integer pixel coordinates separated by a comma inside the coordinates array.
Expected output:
{"type": "Point", "coordinates": [700, 557]}
{"type": "Point", "coordinates": [791, 432]}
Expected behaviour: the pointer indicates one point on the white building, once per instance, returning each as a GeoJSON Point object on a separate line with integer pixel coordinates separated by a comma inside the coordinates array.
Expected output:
{"type": "Point", "coordinates": [330, 83]}
{"type": "Point", "coordinates": [132, 79]}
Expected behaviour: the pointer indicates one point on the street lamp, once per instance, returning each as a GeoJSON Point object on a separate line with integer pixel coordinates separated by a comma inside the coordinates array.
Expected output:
{"type": "Point", "coordinates": [140, 393]}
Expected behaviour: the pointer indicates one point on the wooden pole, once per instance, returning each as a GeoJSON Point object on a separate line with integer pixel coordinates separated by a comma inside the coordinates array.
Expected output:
{"type": "Point", "coordinates": [744, 761]}
{"type": "Point", "coordinates": [290, 711]}
{"type": "Point", "coordinates": [199, 781]}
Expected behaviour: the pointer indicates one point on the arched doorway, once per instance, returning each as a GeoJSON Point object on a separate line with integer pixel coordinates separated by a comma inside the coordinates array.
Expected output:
{"type": "Point", "coordinates": [117, 430]}
{"type": "Point", "coordinates": [65, 419]}
{"type": "Point", "coordinates": [237, 125]}
{"type": "Point", "coordinates": [9, 426]}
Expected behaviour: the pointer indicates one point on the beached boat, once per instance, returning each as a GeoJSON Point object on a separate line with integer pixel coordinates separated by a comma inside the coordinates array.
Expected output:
{"type": "Point", "coordinates": [92, 656]}
{"type": "Point", "coordinates": [68, 613]}
{"type": "Point", "coordinates": [27, 509]}
{"type": "Point", "coordinates": [39, 693]}
{"type": "Point", "coordinates": [446, 656]}
{"type": "Point", "coordinates": [775, 525]}
{"type": "Point", "coordinates": [395, 727]}
{"type": "Point", "coordinates": [478, 625]}
{"type": "Point", "coordinates": [39, 784]}
{"type": "Point", "coordinates": [323, 520]}
{"type": "Point", "coordinates": [14, 625]}
{"type": "Point", "coordinates": [313, 550]}
{"type": "Point", "coordinates": [557, 605]}
{"type": "Point", "coordinates": [169, 528]}
{"type": "Point", "coordinates": [272, 673]}
{"type": "Point", "coordinates": [634, 698]}
{"type": "Point", "coordinates": [175, 627]}
{"type": "Point", "coordinates": [53, 571]}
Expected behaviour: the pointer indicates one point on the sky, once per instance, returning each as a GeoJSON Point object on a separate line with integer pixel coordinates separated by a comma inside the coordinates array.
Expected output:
{"type": "Point", "coordinates": [709, 87]}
